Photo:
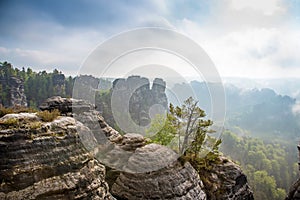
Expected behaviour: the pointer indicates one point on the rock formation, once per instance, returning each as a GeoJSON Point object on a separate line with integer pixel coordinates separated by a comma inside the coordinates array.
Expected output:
{"type": "Point", "coordinates": [174, 181]}
{"type": "Point", "coordinates": [56, 160]}
{"type": "Point", "coordinates": [141, 99]}
{"type": "Point", "coordinates": [16, 95]}
{"type": "Point", "coordinates": [58, 80]}
{"type": "Point", "coordinates": [42, 160]}
{"type": "Point", "coordinates": [225, 180]}
{"type": "Point", "coordinates": [294, 193]}
{"type": "Point", "coordinates": [66, 106]}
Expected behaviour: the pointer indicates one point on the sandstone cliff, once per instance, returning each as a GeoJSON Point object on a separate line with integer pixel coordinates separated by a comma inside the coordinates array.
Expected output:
{"type": "Point", "coordinates": [140, 96]}
{"type": "Point", "coordinates": [48, 160]}
{"type": "Point", "coordinates": [15, 95]}
{"type": "Point", "coordinates": [225, 180]}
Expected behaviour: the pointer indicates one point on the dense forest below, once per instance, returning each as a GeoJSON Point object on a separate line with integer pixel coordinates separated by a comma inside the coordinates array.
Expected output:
{"type": "Point", "coordinates": [263, 127]}
{"type": "Point", "coordinates": [271, 166]}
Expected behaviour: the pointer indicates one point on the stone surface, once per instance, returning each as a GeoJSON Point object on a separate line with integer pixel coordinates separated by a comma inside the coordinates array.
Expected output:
{"type": "Point", "coordinates": [17, 95]}
{"type": "Point", "coordinates": [55, 160]}
{"type": "Point", "coordinates": [225, 180]}
{"type": "Point", "coordinates": [86, 114]}
{"type": "Point", "coordinates": [174, 181]}
{"type": "Point", "coordinates": [66, 105]}
{"type": "Point", "coordinates": [134, 98]}
{"type": "Point", "coordinates": [47, 161]}
{"type": "Point", "coordinates": [132, 141]}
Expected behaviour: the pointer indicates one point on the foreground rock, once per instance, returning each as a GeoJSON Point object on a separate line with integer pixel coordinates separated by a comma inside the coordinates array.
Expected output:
{"type": "Point", "coordinates": [55, 160]}
{"type": "Point", "coordinates": [294, 193]}
{"type": "Point", "coordinates": [225, 180]}
{"type": "Point", "coordinates": [42, 160]}
{"type": "Point", "coordinates": [170, 179]}
{"type": "Point", "coordinates": [66, 106]}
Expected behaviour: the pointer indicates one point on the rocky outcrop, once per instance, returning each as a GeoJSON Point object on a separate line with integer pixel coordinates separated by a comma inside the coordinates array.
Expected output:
{"type": "Point", "coordinates": [294, 193]}
{"type": "Point", "coordinates": [66, 106]}
{"type": "Point", "coordinates": [174, 181]}
{"type": "Point", "coordinates": [58, 80]}
{"type": "Point", "coordinates": [17, 92]}
{"type": "Point", "coordinates": [46, 160]}
{"type": "Point", "coordinates": [16, 95]}
{"type": "Point", "coordinates": [225, 180]}
{"type": "Point", "coordinates": [134, 98]}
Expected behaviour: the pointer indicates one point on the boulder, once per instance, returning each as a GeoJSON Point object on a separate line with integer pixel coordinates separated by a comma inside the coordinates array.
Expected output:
{"type": "Point", "coordinates": [165, 177]}
{"type": "Point", "coordinates": [66, 105]}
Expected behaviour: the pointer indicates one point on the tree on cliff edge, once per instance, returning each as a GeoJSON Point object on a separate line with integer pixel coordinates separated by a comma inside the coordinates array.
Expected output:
{"type": "Point", "coordinates": [186, 125]}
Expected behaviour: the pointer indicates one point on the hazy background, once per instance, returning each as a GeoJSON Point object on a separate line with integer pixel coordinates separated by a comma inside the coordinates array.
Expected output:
{"type": "Point", "coordinates": [253, 39]}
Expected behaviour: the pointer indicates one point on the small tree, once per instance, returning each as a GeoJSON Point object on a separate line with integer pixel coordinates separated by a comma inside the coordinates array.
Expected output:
{"type": "Point", "coordinates": [192, 126]}
{"type": "Point", "coordinates": [187, 125]}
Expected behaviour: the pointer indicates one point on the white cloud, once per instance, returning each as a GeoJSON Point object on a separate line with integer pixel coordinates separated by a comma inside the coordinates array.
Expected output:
{"type": "Point", "coordinates": [267, 7]}
{"type": "Point", "coordinates": [243, 39]}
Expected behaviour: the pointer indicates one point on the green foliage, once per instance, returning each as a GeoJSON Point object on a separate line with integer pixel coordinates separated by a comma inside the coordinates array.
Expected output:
{"type": "Point", "coordinates": [187, 126]}
{"type": "Point", "coordinates": [15, 109]}
{"type": "Point", "coordinates": [38, 86]}
{"type": "Point", "coordinates": [271, 167]}
{"type": "Point", "coordinates": [191, 126]}
{"type": "Point", "coordinates": [47, 116]}
{"type": "Point", "coordinates": [34, 125]}
{"type": "Point", "coordinates": [4, 111]}
{"type": "Point", "coordinates": [9, 123]}
{"type": "Point", "coordinates": [265, 187]}
{"type": "Point", "coordinates": [162, 130]}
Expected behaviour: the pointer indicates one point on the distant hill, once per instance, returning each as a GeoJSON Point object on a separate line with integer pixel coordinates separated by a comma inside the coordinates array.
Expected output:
{"type": "Point", "coordinates": [284, 86]}
{"type": "Point", "coordinates": [263, 112]}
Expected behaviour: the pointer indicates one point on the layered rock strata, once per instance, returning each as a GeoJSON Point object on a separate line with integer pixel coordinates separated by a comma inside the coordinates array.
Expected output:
{"type": "Point", "coordinates": [170, 179]}
{"type": "Point", "coordinates": [225, 180]}
{"type": "Point", "coordinates": [46, 160]}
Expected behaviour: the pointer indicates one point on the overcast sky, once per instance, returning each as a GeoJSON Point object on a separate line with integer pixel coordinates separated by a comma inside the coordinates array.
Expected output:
{"type": "Point", "coordinates": [255, 39]}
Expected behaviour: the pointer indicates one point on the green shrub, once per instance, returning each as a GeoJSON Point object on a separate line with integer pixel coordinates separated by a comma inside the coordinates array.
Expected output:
{"type": "Point", "coordinates": [4, 111]}
{"type": "Point", "coordinates": [34, 125]}
{"type": "Point", "coordinates": [47, 116]}
{"type": "Point", "coordinates": [15, 109]}
{"type": "Point", "coordinates": [9, 123]}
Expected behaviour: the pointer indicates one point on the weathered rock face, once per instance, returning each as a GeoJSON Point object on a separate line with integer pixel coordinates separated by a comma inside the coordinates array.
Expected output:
{"type": "Point", "coordinates": [53, 160]}
{"type": "Point", "coordinates": [17, 92]}
{"type": "Point", "coordinates": [174, 181]}
{"type": "Point", "coordinates": [58, 83]}
{"type": "Point", "coordinates": [16, 95]}
{"type": "Point", "coordinates": [47, 160]}
{"type": "Point", "coordinates": [66, 106]}
{"type": "Point", "coordinates": [141, 99]}
{"type": "Point", "coordinates": [294, 193]}
{"type": "Point", "coordinates": [85, 87]}
{"type": "Point", "coordinates": [225, 180]}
